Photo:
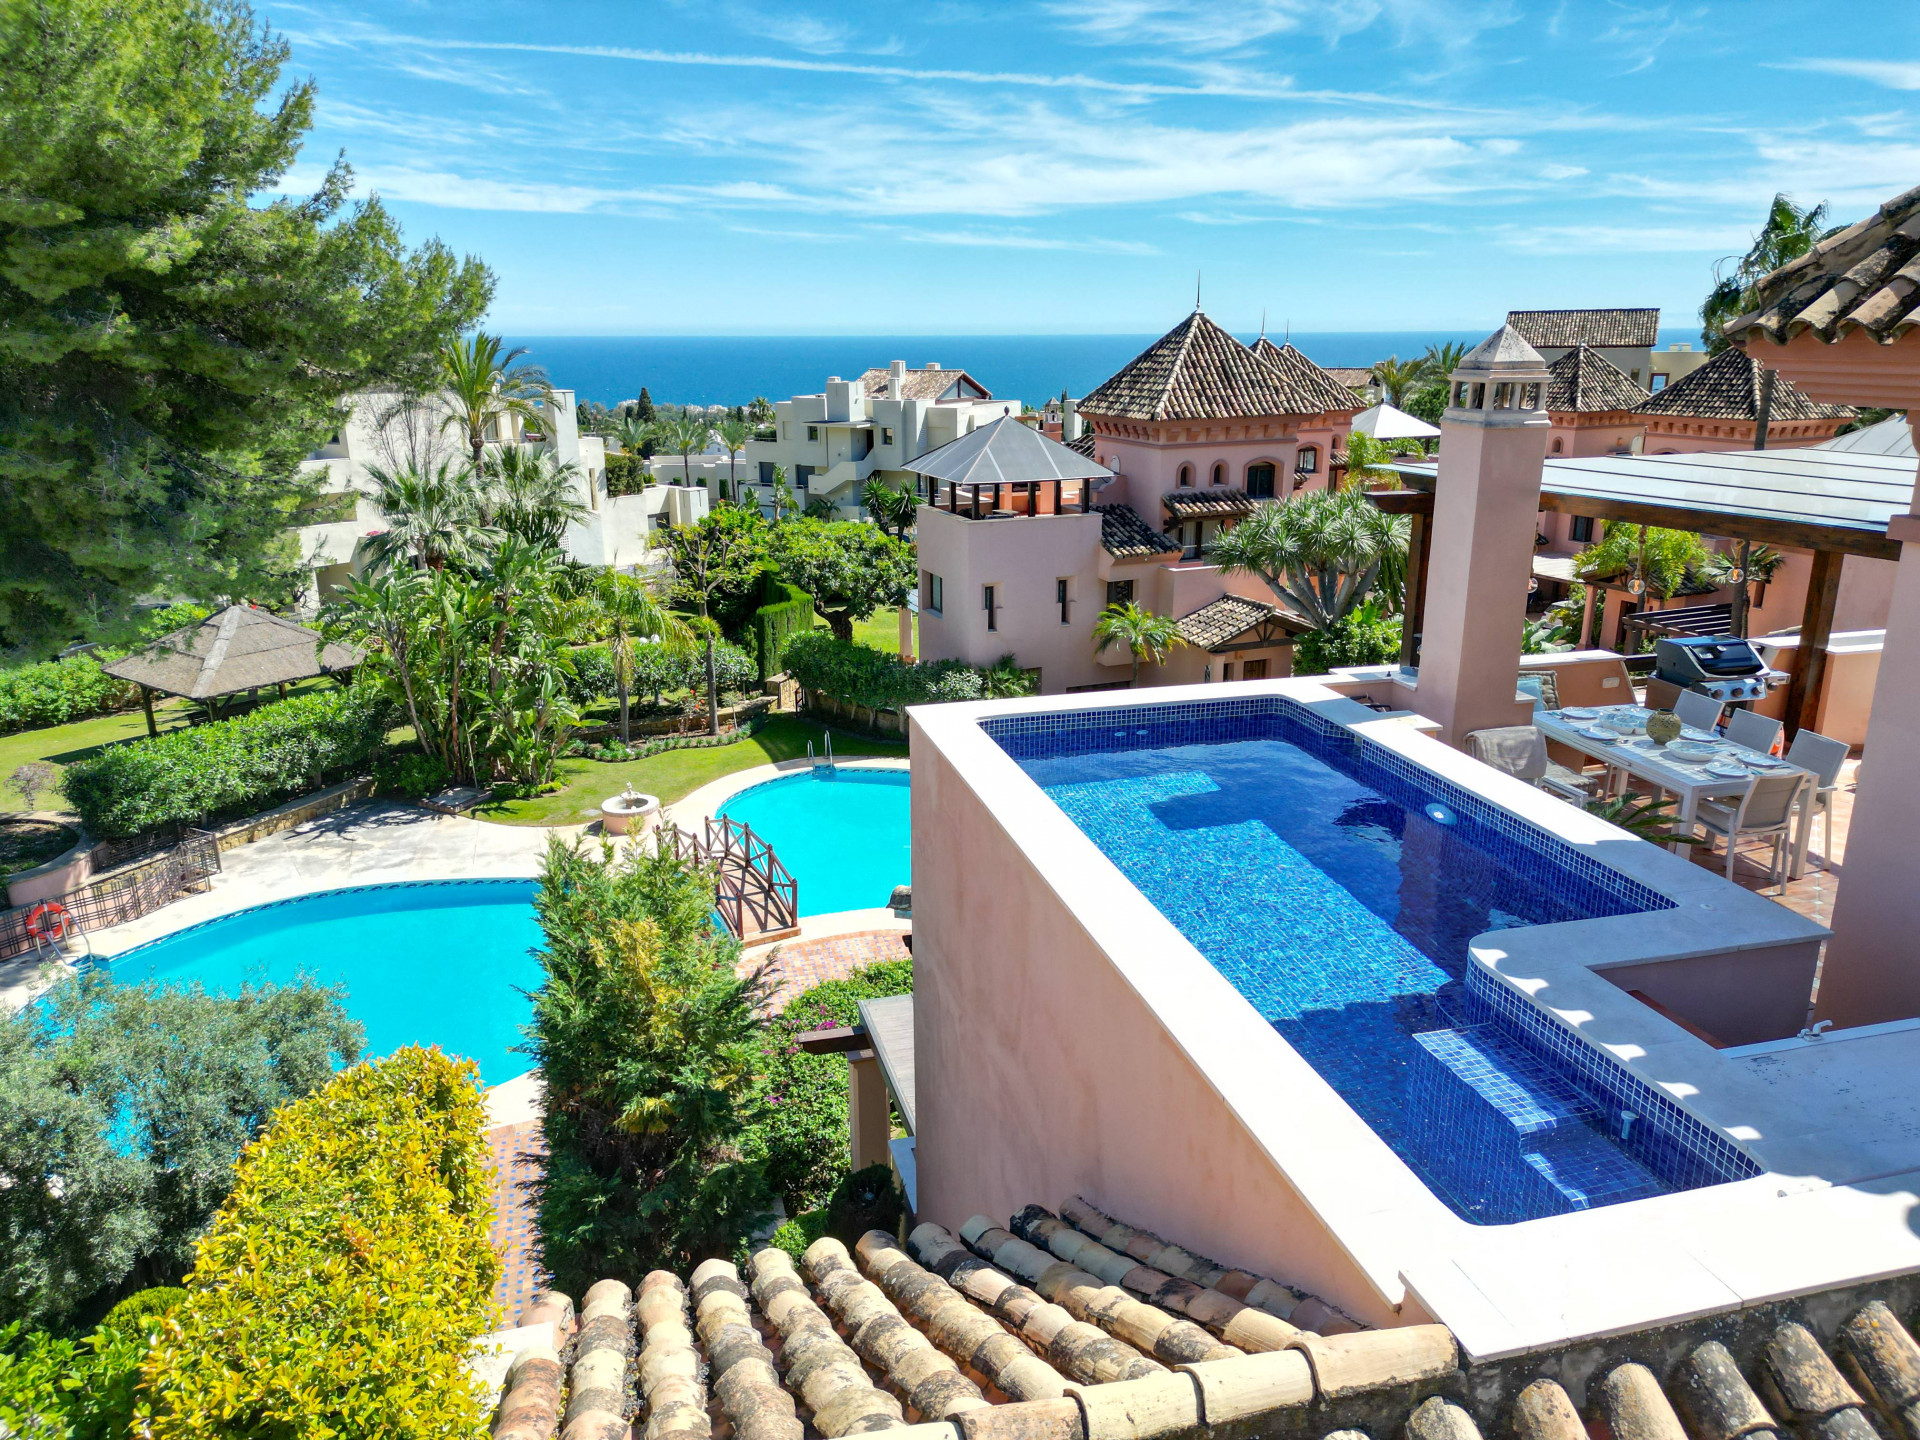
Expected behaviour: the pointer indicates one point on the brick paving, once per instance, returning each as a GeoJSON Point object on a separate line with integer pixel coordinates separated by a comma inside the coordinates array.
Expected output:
{"type": "Point", "coordinates": [516, 1152]}
{"type": "Point", "coordinates": [1812, 895]}
{"type": "Point", "coordinates": [800, 965]}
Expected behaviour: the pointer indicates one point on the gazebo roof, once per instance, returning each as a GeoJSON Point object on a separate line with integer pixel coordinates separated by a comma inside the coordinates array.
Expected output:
{"type": "Point", "coordinates": [1007, 451]}
{"type": "Point", "coordinates": [239, 648]}
{"type": "Point", "coordinates": [1389, 422]}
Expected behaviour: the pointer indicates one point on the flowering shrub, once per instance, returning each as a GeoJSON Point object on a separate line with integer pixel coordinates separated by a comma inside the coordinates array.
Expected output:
{"type": "Point", "coordinates": [228, 766]}
{"type": "Point", "coordinates": [346, 1276]}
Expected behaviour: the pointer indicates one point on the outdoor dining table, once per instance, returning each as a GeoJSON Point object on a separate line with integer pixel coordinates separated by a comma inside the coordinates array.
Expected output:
{"type": "Point", "coordinates": [1687, 781]}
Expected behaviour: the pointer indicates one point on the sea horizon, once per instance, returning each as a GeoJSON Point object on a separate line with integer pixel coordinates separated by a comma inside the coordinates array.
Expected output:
{"type": "Point", "coordinates": [733, 369]}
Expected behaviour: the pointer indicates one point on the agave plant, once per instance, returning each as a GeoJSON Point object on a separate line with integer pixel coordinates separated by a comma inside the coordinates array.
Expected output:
{"type": "Point", "coordinates": [1644, 817]}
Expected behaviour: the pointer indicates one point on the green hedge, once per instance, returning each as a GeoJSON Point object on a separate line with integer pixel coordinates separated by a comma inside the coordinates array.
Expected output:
{"type": "Point", "coordinates": [860, 675]}
{"type": "Point", "coordinates": [653, 668]}
{"type": "Point", "coordinates": [59, 691]}
{"type": "Point", "coordinates": [786, 611]}
{"type": "Point", "coordinates": [342, 1283]}
{"type": "Point", "coordinates": [229, 766]}
{"type": "Point", "coordinates": [627, 475]}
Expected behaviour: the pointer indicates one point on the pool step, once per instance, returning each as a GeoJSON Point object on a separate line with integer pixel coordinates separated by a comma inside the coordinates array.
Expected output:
{"type": "Point", "coordinates": [1497, 1121]}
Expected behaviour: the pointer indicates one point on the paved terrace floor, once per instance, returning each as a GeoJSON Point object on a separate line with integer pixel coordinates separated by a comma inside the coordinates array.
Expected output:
{"type": "Point", "coordinates": [1812, 895]}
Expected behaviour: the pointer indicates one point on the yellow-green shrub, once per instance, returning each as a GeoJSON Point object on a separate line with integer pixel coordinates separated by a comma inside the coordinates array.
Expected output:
{"type": "Point", "coordinates": [341, 1284]}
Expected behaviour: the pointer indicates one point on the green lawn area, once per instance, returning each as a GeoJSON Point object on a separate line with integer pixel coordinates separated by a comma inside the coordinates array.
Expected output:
{"type": "Point", "coordinates": [881, 630]}
{"type": "Point", "coordinates": [61, 745]}
{"type": "Point", "coordinates": [675, 774]}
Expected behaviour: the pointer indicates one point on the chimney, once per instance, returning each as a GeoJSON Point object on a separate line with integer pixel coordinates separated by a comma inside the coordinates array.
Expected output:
{"type": "Point", "coordinates": [896, 375]}
{"type": "Point", "coordinates": [932, 365]}
{"type": "Point", "coordinates": [1069, 420]}
{"type": "Point", "coordinates": [899, 369]}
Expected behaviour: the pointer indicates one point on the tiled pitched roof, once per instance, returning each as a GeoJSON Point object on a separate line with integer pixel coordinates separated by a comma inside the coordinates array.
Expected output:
{"type": "Point", "coordinates": [923, 384]}
{"type": "Point", "coordinates": [1197, 371]}
{"type": "Point", "coordinates": [1124, 532]}
{"type": "Point", "coordinates": [1188, 504]}
{"type": "Point", "coordinates": [1354, 377]}
{"type": "Point", "coordinates": [1867, 277]}
{"type": "Point", "coordinates": [1557, 328]}
{"type": "Point", "coordinates": [1585, 381]}
{"type": "Point", "coordinates": [1727, 387]}
{"type": "Point", "coordinates": [1218, 621]}
{"type": "Point", "coordinates": [1078, 1327]}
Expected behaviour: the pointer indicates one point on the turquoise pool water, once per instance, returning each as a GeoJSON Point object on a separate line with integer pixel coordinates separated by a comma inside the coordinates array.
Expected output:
{"type": "Point", "coordinates": [444, 963]}
{"type": "Point", "coordinates": [842, 834]}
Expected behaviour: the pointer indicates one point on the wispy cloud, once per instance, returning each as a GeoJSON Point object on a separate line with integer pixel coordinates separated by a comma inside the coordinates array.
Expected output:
{"type": "Point", "coordinates": [1893, 74]}
{"type": "Point", "coordinates": [1206, 26]}
{"type": "Point", "coordinates": [1710, 239]}
{"type": "Point", "coordinates": [1003, 240]}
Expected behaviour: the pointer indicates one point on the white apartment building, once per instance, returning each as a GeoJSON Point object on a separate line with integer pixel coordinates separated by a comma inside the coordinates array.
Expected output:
{"type": "Point", "coordinates": [385, 431]}
{"type": "Point", "coordinates": [832, 443]}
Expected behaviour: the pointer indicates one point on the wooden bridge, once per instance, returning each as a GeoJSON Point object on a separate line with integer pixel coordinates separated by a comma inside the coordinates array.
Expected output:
{"type": "Point", "coordinates": [757, 898]}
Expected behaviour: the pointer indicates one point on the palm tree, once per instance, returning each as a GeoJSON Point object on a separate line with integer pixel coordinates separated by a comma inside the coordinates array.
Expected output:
{"type": "Point", "coordinates": [1320, 552]}
{"type": "Point", "coordinates": [1788, 234]}
{"type": "Point", "coordinates": [1399, 378]}
{"type": "Point", "coordinates": [530, 494]}
{"type": "Point", "coordinates": [1367, 460]}
{"type": "Point", "coordinates": [1146, 635]}
{"type": "Point", "coordinates": [632, 432]}
{"type": "Point", "coordinates": [733, 434]}
{"type": "Point", "coordinates": [780, 495]}
{"type": "Point", "coordinates": [432, 519]}
{"type": "Point", "coordinates": [632, 612]}
{"type": "Point", "coordinates": [891, 507]}
{"type": "Point", "coordinates": [486, 389]}
{"type": "Point", "coordinates": [683, 434]}
{"type": "Point", "coordinates": [1442, 360]}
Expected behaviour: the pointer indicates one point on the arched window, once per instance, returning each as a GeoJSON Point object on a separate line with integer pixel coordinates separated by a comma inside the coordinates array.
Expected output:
{"type": "Point", "coordinates": [1186, 476]}
{"type": "Point", "coordinates": [1556, 444]}
{"type": "Point", "coordinates": [1219, 473]}
{"type": "Point", "coordinates": [1307, 462]}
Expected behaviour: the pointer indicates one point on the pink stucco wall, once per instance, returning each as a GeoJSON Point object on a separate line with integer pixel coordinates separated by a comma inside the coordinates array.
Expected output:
{"type": "Point", "coordinates": [1148, 469]}
{"type": "Point", "coordinates": [1042, 1072]}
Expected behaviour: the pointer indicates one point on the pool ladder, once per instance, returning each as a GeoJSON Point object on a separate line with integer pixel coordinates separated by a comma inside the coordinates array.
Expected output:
{"type": "Point", "coordinates": [817, 762]}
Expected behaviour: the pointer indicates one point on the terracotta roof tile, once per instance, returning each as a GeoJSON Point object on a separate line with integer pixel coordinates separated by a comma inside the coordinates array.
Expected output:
{"type": "Point", "coordinates": [1078, 1327]}
{"type": "Point", "coordinates": [1585, 381]}
{"type": "Point", "coordinates": [1083, 445]}
{"type": "Point", "coordinates": [1219, 621]}
{"type": "Point", "coordinates": [1186, 504]}
{"type": "Point", "coordinates": [1353, 377]}
{"type": "Point", "coordinates": [1197, 371]}
{"type": "Point", "coordinates": [924, 384]}
{"type": "Point", "coordinates": [1867, 277]}
{"type": "Point", "coordinates": [1618, 329]}
{"type": "Point", "coordinates": [1727, 387]}
{"type": "Point", "coordinates": [1123, 532]}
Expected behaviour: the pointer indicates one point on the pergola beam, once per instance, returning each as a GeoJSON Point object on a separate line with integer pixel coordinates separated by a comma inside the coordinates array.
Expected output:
{"type": "Point", "coordinates": [1816, 628]}
{"type": "Point", "coordinates": [1795, 534]}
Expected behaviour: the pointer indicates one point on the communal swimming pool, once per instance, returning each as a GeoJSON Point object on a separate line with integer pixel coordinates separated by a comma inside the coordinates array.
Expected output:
{"type": "Point", "coordinates": [442, 963]}
{"type": "Point", "coordinates": [1337, 887]}
{"type": "Point", "coordinates": [841, 832]}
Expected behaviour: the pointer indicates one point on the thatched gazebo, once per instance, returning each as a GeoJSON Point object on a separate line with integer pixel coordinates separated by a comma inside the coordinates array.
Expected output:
{"type": "Point", "coordinates": [238, 649]}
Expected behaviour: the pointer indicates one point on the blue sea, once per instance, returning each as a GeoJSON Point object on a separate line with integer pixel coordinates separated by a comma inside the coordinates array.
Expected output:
{"type": "Point", "coordinates": [732, 369]}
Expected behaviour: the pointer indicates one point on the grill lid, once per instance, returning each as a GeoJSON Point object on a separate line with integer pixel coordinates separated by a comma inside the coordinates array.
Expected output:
{"type": "Point", "coordinates": [1710, 655]}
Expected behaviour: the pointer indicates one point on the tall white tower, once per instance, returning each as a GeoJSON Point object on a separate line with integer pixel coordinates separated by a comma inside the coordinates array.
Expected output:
{"type": "Point", "coordinates": [1493, 446]}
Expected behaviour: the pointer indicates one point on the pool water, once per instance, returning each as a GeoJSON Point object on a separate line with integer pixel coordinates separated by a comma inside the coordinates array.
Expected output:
{"type": "Point", "coordinates": [445, 963]}
{"type": "Point", "coordinates": [1338, 891]}
{"type": "Point", "coordinates": [841, 833]}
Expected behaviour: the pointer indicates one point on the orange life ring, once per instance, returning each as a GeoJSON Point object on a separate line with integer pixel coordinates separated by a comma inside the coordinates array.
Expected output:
{"type": "Point", "coordinates": [49, 920]}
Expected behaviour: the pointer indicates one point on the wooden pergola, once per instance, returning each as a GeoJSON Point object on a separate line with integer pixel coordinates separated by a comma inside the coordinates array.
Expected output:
{"type": "Point", "coordinates": [1832, 503]}
{"type": "Point", "coordinates": [236, 650]}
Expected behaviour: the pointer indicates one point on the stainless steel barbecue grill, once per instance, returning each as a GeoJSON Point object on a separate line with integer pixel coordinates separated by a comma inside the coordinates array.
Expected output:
{"type": "Point", "coordinates": [1723, 666]}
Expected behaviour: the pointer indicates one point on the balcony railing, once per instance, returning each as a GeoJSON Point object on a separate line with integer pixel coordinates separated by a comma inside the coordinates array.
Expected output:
{"type": "Point", "coordinates": [999, 499]}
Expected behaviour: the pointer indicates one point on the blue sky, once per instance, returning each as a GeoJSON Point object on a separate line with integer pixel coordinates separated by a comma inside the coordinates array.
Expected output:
{"type": "Point", "coordinates": [758, 167]}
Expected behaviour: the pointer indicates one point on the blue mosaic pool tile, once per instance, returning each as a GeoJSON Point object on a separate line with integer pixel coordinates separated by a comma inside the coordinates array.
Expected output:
{"type": "Point", "coordinates": [1275, 839]}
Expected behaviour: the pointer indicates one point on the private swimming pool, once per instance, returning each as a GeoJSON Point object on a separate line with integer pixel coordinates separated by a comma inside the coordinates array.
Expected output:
{"type": "Point", "coordinates": [441, 963]}
{"type": "Point", "coordinates": [1337, 886]}
{"type": "Point", "coordinates": [841, 832]}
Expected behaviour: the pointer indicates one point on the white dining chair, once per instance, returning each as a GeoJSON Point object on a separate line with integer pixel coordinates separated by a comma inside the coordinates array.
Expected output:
{"type": "Point", "coordinates": [1521, 751]}
{"type": "Point", "coordinates": [1766, 809]}
{"type": "Point", "coordinates": [1824, 756]}
{"type": "Point", "coordinates": [1756, 732]}
{"type": "Point", "coordinates": [1702, 712]}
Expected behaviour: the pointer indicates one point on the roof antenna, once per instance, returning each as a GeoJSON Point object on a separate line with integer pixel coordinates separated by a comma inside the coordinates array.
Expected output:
{"type": "Point", "coordinates": [1196, 292]}
{"type": "Point", "coordinates": [1287, 338]}
{"type": "Point", "coordinates": [1263, 327]}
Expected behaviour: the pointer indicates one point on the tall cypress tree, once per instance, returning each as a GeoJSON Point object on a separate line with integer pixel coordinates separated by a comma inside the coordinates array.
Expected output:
{"type": "Point", "coordinates": [170, 350]}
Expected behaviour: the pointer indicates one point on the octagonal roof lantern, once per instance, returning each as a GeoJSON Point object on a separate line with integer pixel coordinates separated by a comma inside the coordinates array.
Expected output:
{"type": "Point", "coordinates": [1501, 381]}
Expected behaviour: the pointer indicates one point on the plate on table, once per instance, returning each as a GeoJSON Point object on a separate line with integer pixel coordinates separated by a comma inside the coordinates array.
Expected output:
{"type": "Point", "coordinates": [1625, 724]}
{"type": "Point", "coordinates": [1764, 762]}
{"type": "Point", "coordinates": [1600, 732]}
{"type": "Point", "coordinates": [1580, 712]}
{"type": "Point", "coordinates": [1727, 769]}
{"type": "Point", "coordinates": [1687, 732]}
{"type": "Point", "coordinates": [1691, 754]}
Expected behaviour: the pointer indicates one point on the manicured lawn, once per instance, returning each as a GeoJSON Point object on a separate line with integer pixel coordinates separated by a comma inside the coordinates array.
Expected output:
{"type": "Point", "coordinates": [674, 774]}
{"type": "Point", "coordinates": [881, 630]}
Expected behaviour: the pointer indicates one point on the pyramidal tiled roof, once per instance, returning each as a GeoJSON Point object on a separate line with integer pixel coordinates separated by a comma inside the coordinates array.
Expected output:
{"type": "Point", "coordinates": [1556, 328]}
{"type": "Point", "coordinates": [1506, 346]}
{"type": "Point", "coordinates": [1727, 387]}
{"type": "Point", "coordinates": [1867, 277]}
{"type": "Point", "coordinates": [1077, 1326]}
{"type": "Point", "coordinates": [1585, 381]}
{"type": "Point", "coordinates": [1197, 371]}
